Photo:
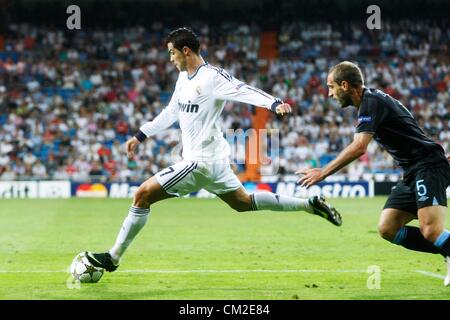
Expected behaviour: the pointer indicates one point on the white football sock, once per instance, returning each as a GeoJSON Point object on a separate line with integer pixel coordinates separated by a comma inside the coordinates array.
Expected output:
{"type": "Point", "coordinates": [277, 202]}
{"type": "Point", "coordinates": [133, 223]}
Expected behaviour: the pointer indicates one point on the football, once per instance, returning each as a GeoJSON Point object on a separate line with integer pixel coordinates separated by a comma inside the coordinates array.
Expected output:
{"type": "Point", "coordinates": [82, 270]}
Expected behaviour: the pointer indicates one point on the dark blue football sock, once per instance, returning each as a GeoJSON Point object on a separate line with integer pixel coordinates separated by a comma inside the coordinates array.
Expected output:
{"type": "Point", "coordinates": [443, 242]}
{"type": "Point", "coordinates": [411, 238]}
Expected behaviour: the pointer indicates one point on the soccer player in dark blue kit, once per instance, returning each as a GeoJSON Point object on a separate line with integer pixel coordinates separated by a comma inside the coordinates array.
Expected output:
{"type": "Point", "coordinates": [421, 194]}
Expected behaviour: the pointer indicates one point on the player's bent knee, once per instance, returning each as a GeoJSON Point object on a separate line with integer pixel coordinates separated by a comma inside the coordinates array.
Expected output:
{"type": "Point", "coordinates": [430, 232]}
{"type": "Point", "coordinates": [143, 194]}
{"type": "Point", "coordinates": [386, 232]}
{"type": "Point", "coordinates": [143, 190]}
{"type": "Point", "coordinates": [140, 197]}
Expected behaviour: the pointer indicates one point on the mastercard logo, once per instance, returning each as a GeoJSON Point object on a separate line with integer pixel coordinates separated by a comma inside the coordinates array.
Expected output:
{"type": "Point", "coordinates": [96, 190]}
{"type": "Point", "coordinates": [263, 187]}
{"type": "Point", "coordinates": [252, 187]}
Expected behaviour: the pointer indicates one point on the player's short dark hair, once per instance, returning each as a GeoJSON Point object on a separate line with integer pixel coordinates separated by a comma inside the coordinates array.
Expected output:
{"type": "Point", "coordinates": [184, 37]}
{"type": "Point", "coordinates": [347, 71]}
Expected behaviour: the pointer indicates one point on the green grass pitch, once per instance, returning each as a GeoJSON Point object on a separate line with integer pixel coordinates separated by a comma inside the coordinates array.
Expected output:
{"type": "Point", "coordinates": [201, 249]}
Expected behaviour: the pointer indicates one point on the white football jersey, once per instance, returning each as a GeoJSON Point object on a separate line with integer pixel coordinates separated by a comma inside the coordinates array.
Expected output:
{"type": "Point", "coordinates": [197, 103]}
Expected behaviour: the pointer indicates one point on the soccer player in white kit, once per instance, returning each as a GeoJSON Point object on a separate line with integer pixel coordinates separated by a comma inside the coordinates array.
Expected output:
{"type": "Point", "coordinates": [197, 102]}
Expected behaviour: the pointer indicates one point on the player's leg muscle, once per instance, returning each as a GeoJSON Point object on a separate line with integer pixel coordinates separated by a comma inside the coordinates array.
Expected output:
{"type": "Point", "coordinates": [431, 221]}
{"type": "Point", "coordinates": [391, 220]}
{"type": "Point", "coordinates": [148, 193]}
{"type": "Point", "coordinates": [238, 200]}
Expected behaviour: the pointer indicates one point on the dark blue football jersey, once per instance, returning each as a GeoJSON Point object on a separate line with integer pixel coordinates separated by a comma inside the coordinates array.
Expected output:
{"type": "Point", "coordinates": [395, 129]}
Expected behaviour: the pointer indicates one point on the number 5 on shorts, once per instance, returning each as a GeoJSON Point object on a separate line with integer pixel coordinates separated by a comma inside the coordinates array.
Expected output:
{"type": "Point", "coordinates": [421, 188]}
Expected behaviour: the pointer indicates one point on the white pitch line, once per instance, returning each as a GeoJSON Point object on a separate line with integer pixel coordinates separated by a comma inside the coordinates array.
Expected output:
{"type": "Point", "coordinates": [200, 271]}
{"type": "Point", "coordinates": [242, 271]}
{"type": "Point", "coordinates": [430, 274]}
{"type": "Point", "coordinates": [32, 271]}
{"type": "Point", "coordinates": [426, 273]}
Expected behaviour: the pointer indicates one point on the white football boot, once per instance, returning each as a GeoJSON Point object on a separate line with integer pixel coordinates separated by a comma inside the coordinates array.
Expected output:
{"type": "Point", "coordinates": [447, 277]}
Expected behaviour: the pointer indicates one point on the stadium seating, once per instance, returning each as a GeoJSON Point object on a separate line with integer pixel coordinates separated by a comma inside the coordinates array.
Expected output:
{"type": "Point", "coordinates": [52, 91]}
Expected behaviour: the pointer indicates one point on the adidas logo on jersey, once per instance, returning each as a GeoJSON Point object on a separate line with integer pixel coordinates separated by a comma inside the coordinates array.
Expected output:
{"type": "Point", "coordinates": [188, 107]}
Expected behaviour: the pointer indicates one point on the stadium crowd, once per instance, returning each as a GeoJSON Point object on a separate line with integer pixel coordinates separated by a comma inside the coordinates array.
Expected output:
{"type": "Point", "coordinates": [69, 100]}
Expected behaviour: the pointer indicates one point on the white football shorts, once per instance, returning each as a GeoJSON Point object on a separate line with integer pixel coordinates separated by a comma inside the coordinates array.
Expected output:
{"type": "Point", "coordinates": [189, 176]}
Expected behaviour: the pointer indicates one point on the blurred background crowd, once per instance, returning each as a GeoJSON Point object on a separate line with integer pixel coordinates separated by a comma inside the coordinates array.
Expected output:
{"type": "Point", "coordinates": [69, 100]}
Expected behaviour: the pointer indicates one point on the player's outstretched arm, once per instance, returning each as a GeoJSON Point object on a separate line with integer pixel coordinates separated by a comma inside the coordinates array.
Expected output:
{"type": "Point", "coordinates": [227, 87]}
{"type": "Point", "coordinates": [283, 108]}
{"type": "Point", "coordinates": [352, 152]}
{"type": "Point", "coordinates": [162, 121]}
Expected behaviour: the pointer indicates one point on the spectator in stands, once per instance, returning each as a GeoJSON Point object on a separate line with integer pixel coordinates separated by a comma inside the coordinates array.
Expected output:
{"type": "Point", "coordinates": [57, 102]}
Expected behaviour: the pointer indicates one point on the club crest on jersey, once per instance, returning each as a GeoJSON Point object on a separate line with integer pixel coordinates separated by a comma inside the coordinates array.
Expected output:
{"type": "Point", "coordinates": [188, 107]}
{"type": "Point", "coordinates": [198, 90]}
{"type": "Point", "coordinates": [365, 119]}
{"type": "Point", "coordinates": [240, 86]}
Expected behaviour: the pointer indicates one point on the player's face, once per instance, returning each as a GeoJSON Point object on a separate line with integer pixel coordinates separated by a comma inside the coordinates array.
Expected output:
{"type": "Point", "coordinates": [338, 93]}
{"type": "Point", "coordinates": [176, 57]}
